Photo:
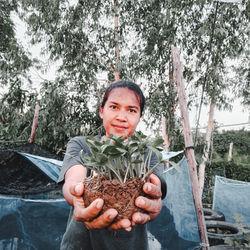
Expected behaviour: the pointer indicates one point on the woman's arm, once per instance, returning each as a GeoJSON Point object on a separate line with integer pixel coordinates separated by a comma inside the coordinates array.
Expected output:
{"type": "Point", "coordinates": [73, 176]}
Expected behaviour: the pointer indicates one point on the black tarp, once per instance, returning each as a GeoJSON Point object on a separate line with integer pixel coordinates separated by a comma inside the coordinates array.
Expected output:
{"type": "Point", "coordinates": [19, 176]}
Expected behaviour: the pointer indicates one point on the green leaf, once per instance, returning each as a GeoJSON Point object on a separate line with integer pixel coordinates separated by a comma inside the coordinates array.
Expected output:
{"type": "Point", "coordinates": [157, 142]}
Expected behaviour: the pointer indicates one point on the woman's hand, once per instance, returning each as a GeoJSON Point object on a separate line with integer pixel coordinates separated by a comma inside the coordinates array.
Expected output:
{"type": "Point", "coordinates": [89, 215]}
{"type": "Point", "coordinates": [152, 205]}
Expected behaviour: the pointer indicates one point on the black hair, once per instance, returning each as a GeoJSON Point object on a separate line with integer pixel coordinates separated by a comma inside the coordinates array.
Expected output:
{"type": "Point", "coordinates": [125, 84]}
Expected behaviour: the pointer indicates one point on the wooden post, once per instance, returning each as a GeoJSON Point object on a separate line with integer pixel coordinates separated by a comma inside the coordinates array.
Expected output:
{"type": "Point", "coordinates": [34, 125]}
{"type": "Point", "coordinates": [178, 76]}
{"type": "Point", "coordinates": [230, 152]}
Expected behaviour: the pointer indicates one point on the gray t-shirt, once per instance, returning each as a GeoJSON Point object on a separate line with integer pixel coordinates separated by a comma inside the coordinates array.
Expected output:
{"type": "Point", "coordinates": [77, 236]}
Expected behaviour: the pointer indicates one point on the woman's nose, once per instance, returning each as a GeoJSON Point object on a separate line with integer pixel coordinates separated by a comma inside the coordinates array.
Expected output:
{"type": "Point", "coordinates": [122, 115]}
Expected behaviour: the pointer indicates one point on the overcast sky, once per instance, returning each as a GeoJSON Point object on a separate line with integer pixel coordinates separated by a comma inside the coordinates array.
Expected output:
{"type": "Point", "coordinates": [238, 114]}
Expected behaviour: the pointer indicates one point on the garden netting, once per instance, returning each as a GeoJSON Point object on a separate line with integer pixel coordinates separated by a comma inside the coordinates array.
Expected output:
{"type": "Point", "coordinates": [232, 198]}
{"type": "Point", "coordinates": [37, 220]}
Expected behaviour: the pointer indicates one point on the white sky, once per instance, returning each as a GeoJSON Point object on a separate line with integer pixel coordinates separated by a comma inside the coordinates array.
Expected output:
{"type": "Point", "coordinates": [236, 116]}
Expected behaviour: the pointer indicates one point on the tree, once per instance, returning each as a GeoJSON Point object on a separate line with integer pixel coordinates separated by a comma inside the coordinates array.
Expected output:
{"type": "Point", "coordinates": [14, 61]}
{"type": "Point", "coordinates": [98, 42]}
{"type": "Point", "coordinates": [14, 66]}
{"type": "Point", "coordinates": [229, 42]}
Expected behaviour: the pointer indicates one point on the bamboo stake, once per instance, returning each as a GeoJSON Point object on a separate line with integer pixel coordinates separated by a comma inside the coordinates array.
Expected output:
{"type": "Point", "coordinates": [178, 76]}
{"type": "Point", "coordinates": [34, 125]}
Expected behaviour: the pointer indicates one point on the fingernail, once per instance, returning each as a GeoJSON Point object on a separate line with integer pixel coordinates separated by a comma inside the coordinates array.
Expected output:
{"type": "Point", "coordinates": [149, 187]}
{"type": "Point", "coordinates": [112, 216]}
{"type": "Point", "coordinates": [141, 202]}
{"type": "Point", "coordinates": [128, 229]}
{"type": "Point", "coordinates": [126, 224]}
{"type": "Point", "coordinates": [98, 204]}
{"type": "Point", "coordinates": [78, 188]}
{"type": "Point", "coordinates": [138, 218]}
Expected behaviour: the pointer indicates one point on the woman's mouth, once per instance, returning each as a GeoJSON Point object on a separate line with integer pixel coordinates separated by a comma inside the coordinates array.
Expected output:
{"type": "Point", "coordinates": [120, 128]}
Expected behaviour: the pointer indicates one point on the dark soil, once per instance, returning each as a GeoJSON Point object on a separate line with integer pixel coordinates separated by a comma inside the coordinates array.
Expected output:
{"type": "Point", "coordinates": [117, 195]}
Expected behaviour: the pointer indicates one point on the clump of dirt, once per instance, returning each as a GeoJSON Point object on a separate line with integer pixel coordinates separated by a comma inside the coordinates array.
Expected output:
{"type": "Point", "coordinates": [117, 195]}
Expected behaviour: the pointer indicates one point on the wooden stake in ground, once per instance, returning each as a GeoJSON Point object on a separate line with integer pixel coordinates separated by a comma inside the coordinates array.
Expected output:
{"type": "Point", "coordinates": [34, 125]}
{"type": "Point", "coordinates": [178, 76]}
{"type": "Point", "coordinates": [230, 152]}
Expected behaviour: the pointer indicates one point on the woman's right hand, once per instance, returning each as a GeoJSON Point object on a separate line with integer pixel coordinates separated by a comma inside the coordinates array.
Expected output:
{"type": "Point", "coordinates": [90, 215]}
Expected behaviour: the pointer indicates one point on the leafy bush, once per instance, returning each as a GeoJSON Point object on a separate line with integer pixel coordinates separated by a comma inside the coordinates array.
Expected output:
{"type": "Point", "coordinates": [240, 139]}
{"type": "Point", "coordinates": [231, 170]}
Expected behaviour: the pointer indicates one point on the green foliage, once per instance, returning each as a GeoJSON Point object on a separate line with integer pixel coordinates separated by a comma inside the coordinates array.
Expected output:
{"type": "Point", "coordinates": [232, 170]}
{"type": "Point", "coordinates": [237, 169]}
{"type": "Point", "coordinates": [14, 61]}
{"type": "Point", "coordinates": [62, 117]}
{"type": "Point", "coordinates": [80, 36]}
{"type": "Point", "coordinates": [15, 118]}
{"type": "Point", "coordinates": [243, 243]}
{"type": "Point", "coordinates": [121, 158]}
{"type": "Point", "coordinates": [240, 139]}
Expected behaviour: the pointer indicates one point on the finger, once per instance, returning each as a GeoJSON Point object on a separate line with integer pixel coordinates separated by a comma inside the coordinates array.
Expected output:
{"type": "Point", "coordinates": [82, 213]}
{"type": "Point", "coordinates": [121, 224]}
{"type": "Point", "coordinates": [153, 188]}
{"type": "Point", "coordinates": [77, 189]}
{"type": "Point", "coordinates": [149, 205]}
{"type": "Point", "coordinates": [154, 179]}
{"type": "Point", "coordinates": [140, 218]}
{"type": "Point", "coordinates": [103, 220]}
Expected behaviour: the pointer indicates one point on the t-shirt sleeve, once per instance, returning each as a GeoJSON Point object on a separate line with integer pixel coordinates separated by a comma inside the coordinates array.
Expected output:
{"type": "Point", "coordinates": [72, 157]}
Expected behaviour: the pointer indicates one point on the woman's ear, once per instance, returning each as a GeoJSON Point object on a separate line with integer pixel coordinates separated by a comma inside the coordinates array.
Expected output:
{"type": "Point", "coordinates": [101, 112]}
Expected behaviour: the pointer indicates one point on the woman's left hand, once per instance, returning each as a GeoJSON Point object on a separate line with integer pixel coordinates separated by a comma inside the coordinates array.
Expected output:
{"type": "Point", "coordinates": [152, 205]}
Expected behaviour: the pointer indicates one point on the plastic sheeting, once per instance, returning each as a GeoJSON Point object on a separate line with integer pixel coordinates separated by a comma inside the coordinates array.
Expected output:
{"type": "Point", "coordinates": [176, 228]}
{"type": "Point", "coordinates": [232, 198]}
{"type": "Point", "coordinates": [27, 224]}
{"type": "Point", "coordinates": [50, 167]}
{"type": "Point", "coordinates": [39, 221]}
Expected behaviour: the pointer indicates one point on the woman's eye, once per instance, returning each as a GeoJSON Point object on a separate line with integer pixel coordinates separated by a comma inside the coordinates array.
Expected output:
{"type": "Point", "coordinates": [113, 107]}
{"type": "Point", "coordinates": [132, 110]}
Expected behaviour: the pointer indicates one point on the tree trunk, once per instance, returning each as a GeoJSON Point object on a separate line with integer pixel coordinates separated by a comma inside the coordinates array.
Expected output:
{"type": "Point", "coordinates": [206, 149]}
{"type": "Point", "coordinates": [34, 125]}
{"type": "Point", "coordinates": [117, 49]}
{"type": "Point", "coordinates": [178, 76]}
{"type": "Point", "coordinates": [165, 136]}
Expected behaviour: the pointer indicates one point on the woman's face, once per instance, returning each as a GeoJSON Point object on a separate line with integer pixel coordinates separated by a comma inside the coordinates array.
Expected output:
{"type": "Point", "coordinates": [121, 112]}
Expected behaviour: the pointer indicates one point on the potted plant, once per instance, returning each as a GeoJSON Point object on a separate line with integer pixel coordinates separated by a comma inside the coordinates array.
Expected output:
{"type": "Point", "coordinates": [121, 167]}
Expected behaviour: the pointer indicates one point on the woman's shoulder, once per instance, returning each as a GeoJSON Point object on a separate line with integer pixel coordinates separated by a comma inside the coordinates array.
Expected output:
{"type": "Point", "coordinates": [82, 139]}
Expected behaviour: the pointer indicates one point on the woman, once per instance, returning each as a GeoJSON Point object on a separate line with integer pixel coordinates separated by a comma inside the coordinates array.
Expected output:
{"type": "Point", "coordinates": [120, 111]}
